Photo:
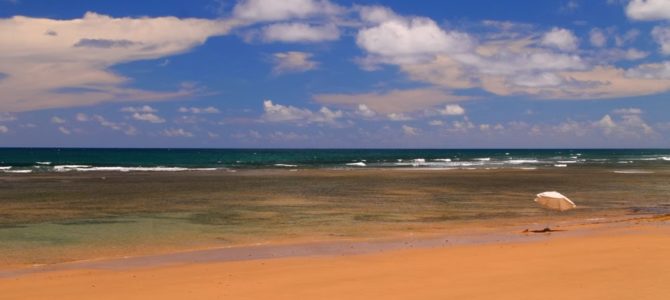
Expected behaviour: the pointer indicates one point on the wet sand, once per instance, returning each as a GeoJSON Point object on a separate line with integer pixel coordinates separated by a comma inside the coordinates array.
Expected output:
{"type": "Point", "coordinates": [615, 260]}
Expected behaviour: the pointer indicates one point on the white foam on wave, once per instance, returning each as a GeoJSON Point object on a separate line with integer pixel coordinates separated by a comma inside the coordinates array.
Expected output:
{"type": "Point", "coordinates": [483, 159]}
{"type": "Point", "coordinates": [357, 164]}
{"type": "Point", "coordinates": [17, 171]}
{"type": "Point", "coordinates": [560, 165]}
{"type": "Point", "coordinates": [285, 165]}
{"type": "Point", "coordinates": [85, 168]}
{"type": "Point", "coordinates": [567, 161]}
{"type": "Point", "coordinates": [5, 168]}
{"type": "Point", "coordinates": [65, 168]}
{"type": "Point", "coordinates": [443, 159]}
{"type": "Point", "coordinates": [522, 161]}
{"type": "Point", "coordinates": [632, 172]}
{"type": "Point", "coordinates": [666, 158]}
{"type": "Point", "coordinates": [44, 163]}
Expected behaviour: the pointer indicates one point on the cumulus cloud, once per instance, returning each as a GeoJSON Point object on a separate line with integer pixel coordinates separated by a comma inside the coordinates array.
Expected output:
{"type": "Point", "coordinates": [597, 37]}
{"type": "Point", "coordinates": [4, 129]}
{"type": "Point", "coordinates": [627, 111]}
{"type": "Point", "coordinates": [139, 109]}
{"type": "Point", "coordinates": [397, 39]}
{"type": "Point", "coordinates": [393, 101]}
{"type": "Point", "coordinates": [148, 117]}
{"type": "Point", "coordinates": [364, 111]}
{"type": "Point", "coordinates": [64, 130]}
{"type": "Point", "coordinates": [661, 35]}
{"type": "Point", "coordinates": [293, 61]}
{"type": "Point", "coordinates": [398, 117]}
{"type": "Point", "coordinates": [560, 38]}
{"type": "Point", "coordinates": [7, 117]}
{"type": "Point", "coordinates": [271, 10]}
{"type": "Point", "coordinates": [452, 110]}
{"type": "Point", "coordinates": [199, 110]}
{"type": "Point", "coordinates": [81, 117]}
{"type": "Point", "coordinates": [125, 128]}
{"type": "Point", "coordinates": [299, 32]}
{"type": "Point", "coordinates": [650, 71]}
{"type": "Point", "coordinates": [409, 130]}
{"type": "Point", "coordinates": [176, 132]}
{"type": "Point", "coordinates": [628, 126]}
{"type": "Point", "coordinates": [549, 66]}
{"type": "Point", "coordinates": [282, 113]}
{"type": "Point", "coordinates": [58, 120]}
{"type": "Point", "coordinates": [60, 63]}
{"type": "Point", "coordinates": [648, 10]}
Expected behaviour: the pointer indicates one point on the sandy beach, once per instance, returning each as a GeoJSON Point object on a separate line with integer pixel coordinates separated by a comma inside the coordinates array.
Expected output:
{"type": "Point", "coordinates": [627, 260]}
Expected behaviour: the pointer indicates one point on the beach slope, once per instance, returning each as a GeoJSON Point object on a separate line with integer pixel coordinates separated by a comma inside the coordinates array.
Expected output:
{"type": "Point", "coordinates": [619, 263]}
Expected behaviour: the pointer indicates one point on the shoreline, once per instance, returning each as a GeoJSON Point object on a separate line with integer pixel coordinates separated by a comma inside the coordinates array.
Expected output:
{"type": "Point", "coordinates": [481, 235]}
{"type": "Point", "coordinates": [625, 259]}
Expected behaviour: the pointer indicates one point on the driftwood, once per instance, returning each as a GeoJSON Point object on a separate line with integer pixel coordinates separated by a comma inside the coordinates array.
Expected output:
{"type": "Point", "coordinates": [546, 229]}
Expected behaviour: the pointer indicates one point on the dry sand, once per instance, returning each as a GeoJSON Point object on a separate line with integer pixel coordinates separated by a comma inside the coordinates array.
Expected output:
{"type": "Point", "coordinates": [625, 262]}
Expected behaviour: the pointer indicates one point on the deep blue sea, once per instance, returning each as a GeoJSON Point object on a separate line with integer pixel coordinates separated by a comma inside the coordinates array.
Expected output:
{"type": "Point", "coordinates": [29, 160]}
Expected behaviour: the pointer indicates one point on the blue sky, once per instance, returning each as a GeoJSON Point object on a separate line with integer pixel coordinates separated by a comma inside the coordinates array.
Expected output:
{"type": "Point", "coordinates": [318, 73]}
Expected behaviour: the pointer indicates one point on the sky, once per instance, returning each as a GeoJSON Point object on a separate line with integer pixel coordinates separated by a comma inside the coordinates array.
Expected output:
{"type": "Point", "coordinates": [335, 74]}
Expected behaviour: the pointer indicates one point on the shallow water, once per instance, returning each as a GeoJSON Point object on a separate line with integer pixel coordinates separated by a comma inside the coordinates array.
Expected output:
{"type": "Point", "coordinates": [56, 217]}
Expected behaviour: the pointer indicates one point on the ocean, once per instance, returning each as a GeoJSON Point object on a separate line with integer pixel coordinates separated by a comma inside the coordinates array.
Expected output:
{"type": "Point", "coordinates": [28, 160]}
{"type": "Point", "coordinates": [59, 205]}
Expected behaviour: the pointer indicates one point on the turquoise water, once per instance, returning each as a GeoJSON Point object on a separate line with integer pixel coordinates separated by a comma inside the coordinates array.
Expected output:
{"type": "Point", "coordinates": [25, 160]}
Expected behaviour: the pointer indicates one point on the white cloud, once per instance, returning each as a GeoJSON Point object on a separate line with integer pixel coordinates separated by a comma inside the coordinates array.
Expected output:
{"type": "Point", "coordinates": [404, 40]}
{"type": "Point", "coordinates": [272, 10]}
{"type": "Point", "coordinates": [81, 117]}
{"type": "Point", "coordinates": [650, 71]}
{"type": "Point", "coordinates": [393, 101]}
{"type": "Point", "coordinates": [629, 126]}
{"type": "Point", "coordinates": [58, 120]}
{"type": "Point", "coordinates": [61, 63]}
{"type": "Point", "coordinates": [452, 110]}
{"type": "Point", "coordinates": [199, 110]}
{"type": "Point", "coordinates": [561, 39]}
{"type": "Point", "coordinates": [125, 128]}
{"type": "Point", "coordinates": [148, 117]}
{"type": "Point", "coordinates": [648, 10]}
{"type": "Point", "coordinates": [293, 61]}
{"type": "Point", "coordinates": [628, 37]}
{"type": "Point", "coordinates": [436, 123]}
{"type": "Point", "coordinates": [377, 14]}
{"type": "Point", "coordinates": [398, 117]}
{"type": "Point", "coordinates": [299, 32]}
{"type": "Point", "coordinates": [627, 111]}
{"type": "Point", "coordinates": [409, 130]}
{"type": "Point", "coordinates": [286, 136]}
{"type": "Point", "coordinates": [364, 111]}
{"type": "Point", "coordinates": [176, 132]}
{"type": "Point", "coordinates": [548, 67]}
{"type": "Point", "coordinates": [662, 36]}
{"type": "Point", "coordinates": [64, 130]}
{"type": "Point", "coordinates": [139, 109]}
{"type": "Point", "coordinates": [281, 113]}
{"type": "Point", "coordinates": [597, 37]}
{"type": "Point", "coordinates": [7, 117]}
{"type": "Point", "coordinates": [634, 54]}
{"type": "Point", "coordinates": [4, 129]}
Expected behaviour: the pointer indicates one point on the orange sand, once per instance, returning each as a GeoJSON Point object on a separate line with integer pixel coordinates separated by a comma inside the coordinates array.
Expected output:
{"type": "Point", "coordinates": [628, 263]}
